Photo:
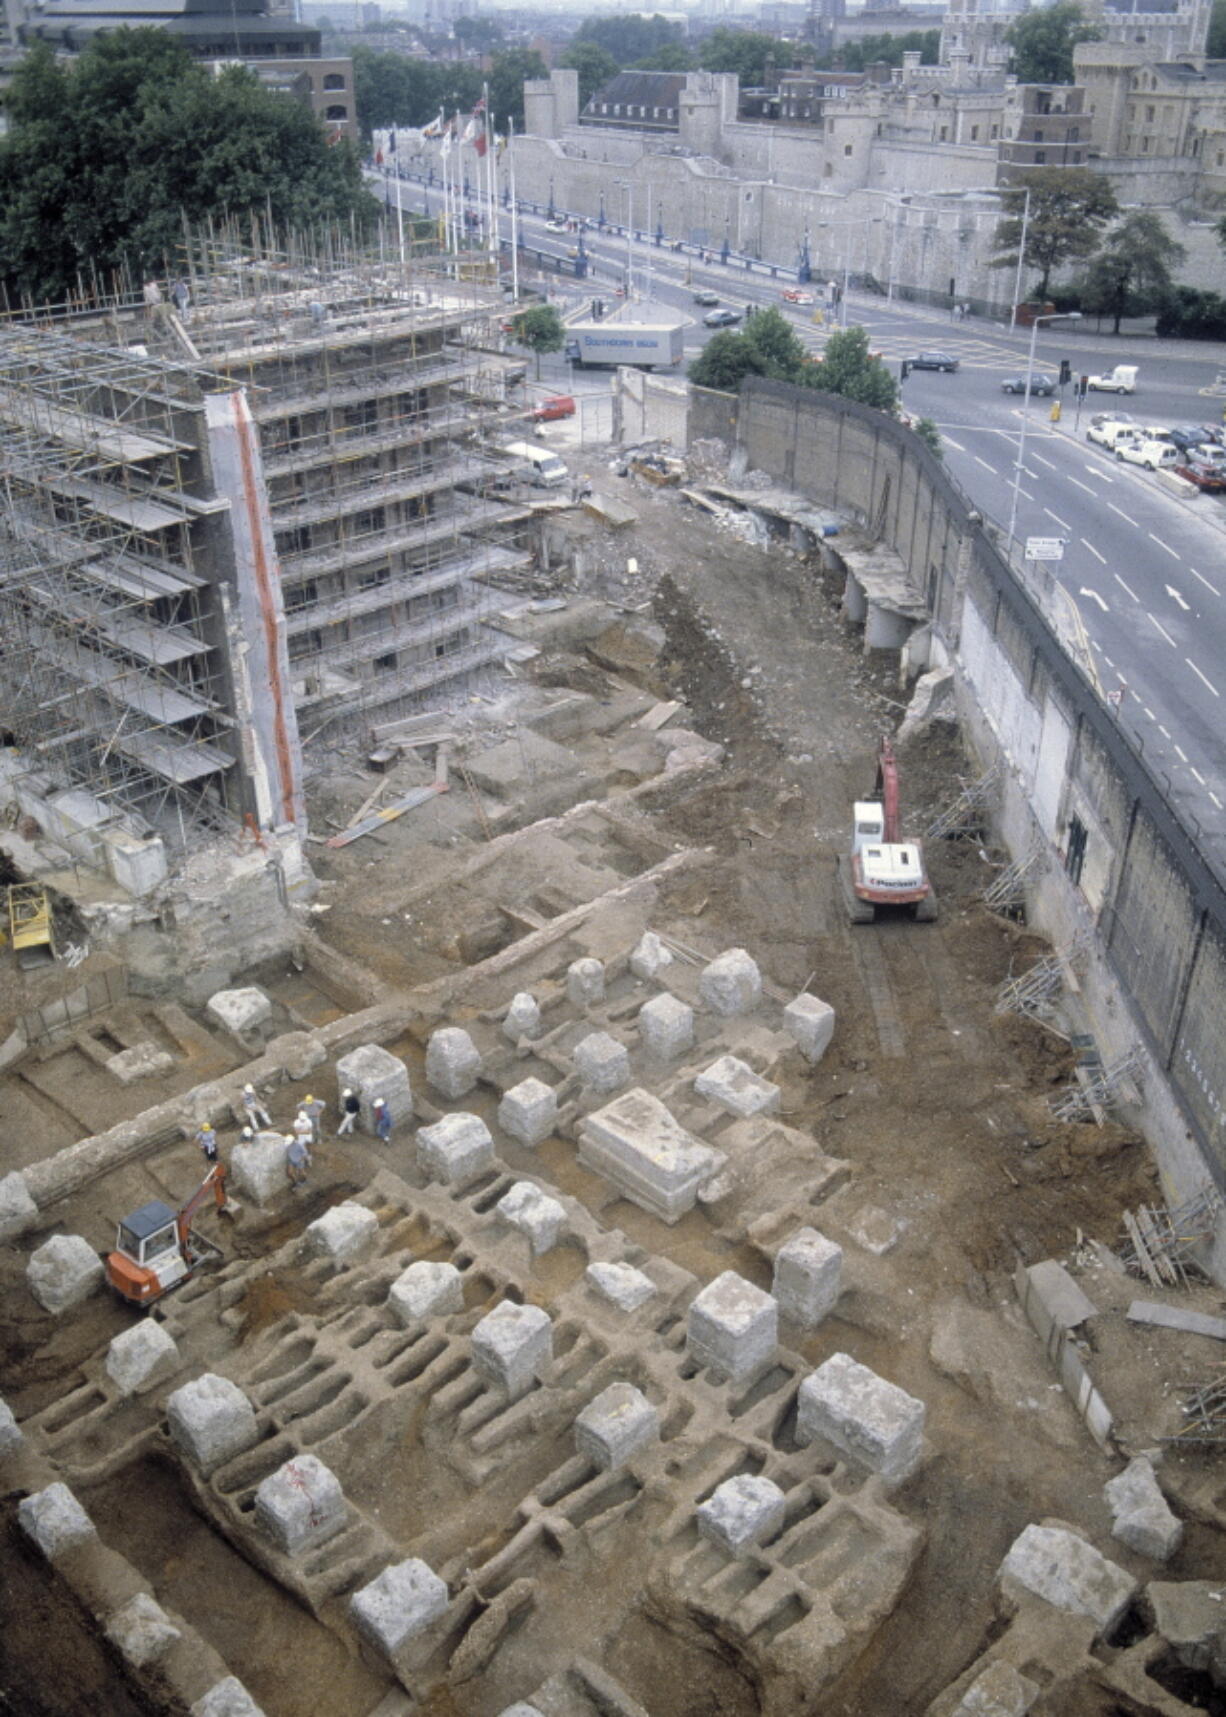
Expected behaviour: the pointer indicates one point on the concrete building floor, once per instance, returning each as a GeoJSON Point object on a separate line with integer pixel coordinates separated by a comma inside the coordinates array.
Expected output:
{"type": "Point", "coordinates": [921, 1143]}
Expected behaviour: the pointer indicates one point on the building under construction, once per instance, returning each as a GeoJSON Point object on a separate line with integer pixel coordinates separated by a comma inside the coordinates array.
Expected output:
{"type": "Point", "coordinates": [268, 507]}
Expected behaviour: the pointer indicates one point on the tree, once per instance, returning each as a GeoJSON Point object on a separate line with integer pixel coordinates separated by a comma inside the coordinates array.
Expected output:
{"type": "Point", "coordinates": [744, 52]}
{"type": "Point", "coordinates": [594, 64]}
{"type": "Point", "coordinates": [1215, 46]}
{"type": "Point", "coordinates": [672, 57]}
{"type": "Point", "coordinates": [846, 368]}
{"type": "Point", "coordinates": [631, 39]}
{"type": "Point", "coordinates": [930, 435]}
{"type": "Point", "coordinates": [724, 361]}
{"type": "Point", "coordinates": [856, 56]}
{"type": "Point", "coordinates": [1220, 230]}
{"type": "Point", "coordinates": [507, 73]}
{"type": "Point", "coordinates": [541, 330]}
{"type": "Point", "coordinates": [107, 155]}
{"type": "Point", "coordinates": [1191, 314]}
{"type": "Point", "coordinates": [1043, 41]}
{"type": "Point", "coordinates": [477, 35]}
{"type": "Point", "coordinates": [1131, 275]}
{"type": "Point", "coordinates": [767, 346]}
{"type": "Point", "coordinates": [1069, 206]}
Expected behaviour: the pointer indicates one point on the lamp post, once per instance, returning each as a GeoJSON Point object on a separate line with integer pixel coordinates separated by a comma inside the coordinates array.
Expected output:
{"type": "Point", "coordinates": [1056, 316]}
{"type": "Point", "coordinates": [804, 273]}
{"type": "Point", "coordinates": [551, 196]}
{"type": "Point", "coordinates": [626, 186]}
{"type": "Point", "coordinates": [1021, 260]}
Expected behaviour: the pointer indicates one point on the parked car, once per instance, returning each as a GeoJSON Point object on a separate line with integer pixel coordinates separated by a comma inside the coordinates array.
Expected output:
{"type": "Point", "coordinates": [796, 295]}
{"type": "Point", "coordinates": [1038, 385]}
{"type": "Point", "coordinates": [1205, 466]}
{"type": "Point", "coordinates": [1186, 435]}
{"type": "Point", "coordinates": [933, 361]}
{"type": "Point", "coordinates": [1106, 427]}
{"type": "Point", "coordinates": [721, 318]}
{"type": "Point", "coordinates": [706, 296]}
{"type": "Point", "coordinates": [556, 227]}
{"type": "Point", "coordinates": [1153, 455]}
{"type": "Point", "coordinates": [549, 410]}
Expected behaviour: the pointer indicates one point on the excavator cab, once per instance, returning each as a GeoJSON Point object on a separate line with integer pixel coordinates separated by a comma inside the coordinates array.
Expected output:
{"type": "Point", "coordinates": [884, 871]}
{"type": "Point", "coordinates": [155, 1248]}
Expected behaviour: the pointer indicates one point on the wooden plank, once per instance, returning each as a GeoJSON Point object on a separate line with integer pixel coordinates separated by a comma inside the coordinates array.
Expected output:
{"type": "Point", "coordinates": [1141, 1250]}
{"type": "Point", "coordinates": [388, 814]}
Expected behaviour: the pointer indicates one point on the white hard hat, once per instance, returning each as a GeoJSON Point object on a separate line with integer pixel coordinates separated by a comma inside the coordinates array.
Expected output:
{"type": "Point", "coordinates": [379, 1103]}
{"type": "Point", "coordinates": [250, 1088]}
{"type": "Point", "coordinates": [347, 1092]}
{"type": "Point", "coordinates": [246, 1133]}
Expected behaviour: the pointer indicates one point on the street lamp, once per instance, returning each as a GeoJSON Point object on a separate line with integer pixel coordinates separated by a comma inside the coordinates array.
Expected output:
{"type": "Point", "coordinates": [551, 196]}
{"type": "Point", "coordinates": [628, 187]}
{"type": "Point", "coordinates": [804, 273]}
{"type": "Point", "coordinates": [1056, 316]}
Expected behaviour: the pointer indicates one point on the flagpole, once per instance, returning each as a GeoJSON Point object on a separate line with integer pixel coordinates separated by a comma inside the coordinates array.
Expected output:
{"type": "Point", "coordinates": [491, 189]}
{"type": "Point", "coordinates": [514, 213]}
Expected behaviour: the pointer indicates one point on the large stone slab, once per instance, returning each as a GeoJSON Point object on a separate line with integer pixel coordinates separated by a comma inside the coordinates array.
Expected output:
{"type": "Point", "coordinates": [372, 1073]}
{"type": "Point", "coordinates": [257, 1167]}
{"type": "Point", "coordinates": [211, 1421]}
{"type": "Point", "coordinates": [528, 1112]}
{"type": "Point", "coordinates": [602, 1063]}
{"type": "Point", "coordinates": [456, 1149]}
{"type": "Point", "coordinates": [1060, 1294]}
{"type": "Point", "coordinates": [398, 1604]}
{"type": "Point", "coordinates": [810, 1024]}
{"type": "Point", "coordinates": [17, 1209]}
{"type": "Point", "coordinates": [453, 1062]}
{"type": "Point", "coordinates": [615, 1426]}
{"type": "Point", "coordinates": [342, 1233]}
{"type": "Point", "coordinates": [621, 1284]}
{"type": "Point", "coordinates": [11, 1437]}
{"type": "Point", "coordinates": [141, 1356]}
{"type": "Point", "coordinates": [228, 1698]}
{"type": "Point", "coordinates": [535, 1215]}
{"type": "Point", "coordinates": [54, 1520]}
{"type": "Point", "coordinates": [735, 1086]}
{"type": "Point", "coordinates": [999, 1691]}
{"type": "Point", "coordinates": [300, 1505]}
{"type": "Point", "coordinates": [427, 1289]}
{"type": "Point", "coordinates": [1140, 1515]}
{"type": "Point", "coordinates": [648, 1155]}
{"type": "Point", "coordinates": [666, 1026]}
{"type": "Point", "coordinates": [239, 1011]}
{"type": "Point", "coordinates": [808, 1277]}
{"type": "Point", "coordinates": [742, 1511]}
{"type": "Point", "coordinates": [874, 1422]}
{"type": "Point", "coordinates": [142, 1630]}
{"type": "Point", "coordinates": [511, 1345]}
{"type": "Point", "coordinates": [1191, 1616]}
{"type": "Point", "coordinates": [731, 984]}
{"type": "Point", "coordinates": [64, 1271]}
{"type": "Point", "coordinates": [1066, 1572]}
{"type": "Point", "coordinates": [732, 1326]}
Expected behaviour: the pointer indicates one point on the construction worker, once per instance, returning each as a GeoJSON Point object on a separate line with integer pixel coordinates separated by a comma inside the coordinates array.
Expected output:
{"type": "Point", "coordinates": [257, 1114]}
{"type": "Point", "coordinates": [383, 1120]}
{"type": "Point", "coordinates": [206, 1138]}
{"type": "Point", "coordinates": [314, 1107]}
{"type": "Point", "coordinates": [247, 1136]}
{"type": "Point", "coordinates": [297, 1159]}
{"type": "Point", "coordinates": [351, 1108]}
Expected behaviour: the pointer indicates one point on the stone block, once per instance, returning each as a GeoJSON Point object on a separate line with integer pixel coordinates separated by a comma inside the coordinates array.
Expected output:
{"type": "Point", "coordinates": [999, 1691]}
{"type": "Point", "coordinates": [342, 1233]}
{"type": "Point", "coordinates": [732, 1326]}
{"type": "Point", "coordinates": [54, 1520]}
{"type": "Point", "coordinates": [810, 1025]}
{"type": "Point", "coordinates": [64, 1271]}
{"type": "Point", "coordinates": [453, 1062]}
{"type": "Point", "coordinates": [521, 1708]}
{"type": "Point", "coordinates": [141, 1356]}
{"type": "Point", "coordinates": [141, 1630]}
{"type": "Point", "coordinates": [300, 1505]}
{"type": "Point", "coordinates": [522, 1018]}
{"type": "Point", "coordinates": [585, 983]}
{"type": "Point", "coordinates": [876, 1230]}
{"type": "Point", "coordinates": [1191, 1616]}
{"type": "Point", "coordinates": [617, 1424]}
{"type": "Point", "coordinates": [621, 1284]}
{"type": "Point", "coordinates": [17, 1209]}
{"type": "Point", "coordinates": [647, 1154]}
{"type": "Point", "coordinates": [744, 1510]}
{"type": "Point", "coordinates": [808, 1277]}
{"type": "Point", "coordinates": [142, 1061]}
{"type": "Point", "coordinates": [211, 1421]}
{"type": "Point", "coordinates": [649, 957]}
{"type": "Point", "coordinates": [511, 1344]}
{"type": "Point", "coordinates": [456, 1149]}
{"type": "Point", "coordinates": [529, 1111]}
{"type": "Point", "coordinates": [399, 1604]}
{"type": "Point", "coordinates": [426, 1290]}
{"type": "Point", "coordinates": [735, 1086]}
{"type": "Point", "coordinates": [875, 1423]}
{"type": "Point", "coordinates": [239, 1011]}
{"type": "Point", "coordinates": [601, 1062]}
{"type": "Point", "coordinates": [257, 1168]}
{"type": "Point", "coordinates": [666, 1026]}
{"type": "Point", "coordinates": [731, 985]}
{"type": "Point", "coordinates": [1066, 1572]}
{"type": "Point", "coordinates": [11, 1438]}
{"type": "Point", "coordinates": [537, 1216]}
{"type": "Point", "coordinates": [228, 1698]}
{"type": "Point", "coordinates": [370, 1072]}
{"type": "Point", "coordinates": [1140, 1516]}
{"type": "Point", "coordinates": [1064, 1301]}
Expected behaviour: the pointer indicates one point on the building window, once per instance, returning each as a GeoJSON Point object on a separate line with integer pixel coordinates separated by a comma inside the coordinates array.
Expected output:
{"type": "Point", "coordinates": [847, 148]}
{"type": "Point", "coordinates": [384, 664]}
{"type": "Point", "coordinates": [1040, 157]}
{"type": "Point", "coordinates": [974, 134]}
{"type": "Point", "coordinates": [296, 541]}
{"type": "Point", "coordinates": [336, 112]}
{"type": "Point", "coordinates": [366, 524]}
{"type": "Point", "coordinates": [373, 577]}
{"type": "Point", "coordinates": [943, 134]}
{"type": "Point", "coordinates": [1075, 857]}
{"type": "Point", "coordinates": [1221, 158]}
{"type": "Point", "coordinates": [1074, 135]}
{"type": "Point", "coordinates": [1145, 142]}
{"type": "Point", "coordinates": [1149, 116]}
{"type": "Point", "coordinates": [1038, 137]}
{"type": "Point", "coordinates": [305, 644]}
{"type": "Point", "coordinates": [304, 595]}
{"type": "Point", "coordinates": [995, 133]}
{"type": "Point", "coordinates": [334, 80]}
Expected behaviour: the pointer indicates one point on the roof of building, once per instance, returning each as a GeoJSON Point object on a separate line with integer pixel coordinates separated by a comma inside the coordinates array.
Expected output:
{"type": "Point", "coordinates": [639, 89]}
{"type": "Point", "coordinates": [1177, 71]}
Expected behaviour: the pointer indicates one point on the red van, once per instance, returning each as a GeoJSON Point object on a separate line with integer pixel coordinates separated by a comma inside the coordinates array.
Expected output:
{"type": "Point", "coordinates": [558, 405]}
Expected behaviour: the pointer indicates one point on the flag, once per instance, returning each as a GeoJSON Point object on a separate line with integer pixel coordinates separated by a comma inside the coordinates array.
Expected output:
{"type": "Point", "coordinates": [470, 132]}
{"type": "Point", "coordinates": [445, 151]}
{"type": "Point", "coordinates": [480, 107]}
{"type": "Point", "coordinates": [378, 157]}
{"type": "Point", "coordinates": [435, 127]}
{"type": "Point", "coordinates": [480, 144]}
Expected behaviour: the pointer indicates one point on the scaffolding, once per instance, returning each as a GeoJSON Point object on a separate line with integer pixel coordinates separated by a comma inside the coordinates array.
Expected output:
{"type": "Point", "coordinates": [378, 384]}
{"type": "Point", "coordinates": [1164, 1245]}
{"type": "Point", "coordinates": [965, 818]}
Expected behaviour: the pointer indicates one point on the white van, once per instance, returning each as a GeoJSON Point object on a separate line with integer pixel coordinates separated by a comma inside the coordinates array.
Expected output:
{"type": "Point", "coordinates": [545, 469]}
{"type": "Point", "coordinates": [1155, 455]}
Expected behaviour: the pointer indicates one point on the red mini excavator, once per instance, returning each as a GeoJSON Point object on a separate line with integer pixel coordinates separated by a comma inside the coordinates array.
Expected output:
{"type": "Point", "coordinates": [882, 869]}
{"type": "Point", "coordinates": [155, 1248]}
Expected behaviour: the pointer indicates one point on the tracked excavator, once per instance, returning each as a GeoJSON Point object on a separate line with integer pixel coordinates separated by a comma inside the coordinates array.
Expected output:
{"type": "Point", "coordinates": [882, 870]}
{"type": "Point", "coordinates": [156, 1248]}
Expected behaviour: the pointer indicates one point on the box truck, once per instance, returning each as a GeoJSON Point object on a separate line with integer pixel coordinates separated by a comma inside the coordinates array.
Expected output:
{"type": "Point", "coordinates": [647, 348]}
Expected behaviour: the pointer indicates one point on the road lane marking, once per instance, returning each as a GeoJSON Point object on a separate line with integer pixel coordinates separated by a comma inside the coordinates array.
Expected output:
{"type": "Point", "coordinates": [1198, 775]}
{"type": "Point", "coordinates": [1211, 588]}
{"type": "Point", "coordinates": [1162, 629]}
{"type": "Point", "coordinates": [1103, 476]}
{"type": "Point", "coordinates": [1081, 485]}
{"type": "Point", "coordinates": [985, 465]}
{"type": "Point", "coordinates": [1124, 586]}
{"type": "Point", "coordinates": [1181, 754]}
{"type": "Point", "coordinates": [1099, 557]}
{"type": "Point", "coordinates": [1039, 460]}
{"type": "Point", "coordinates": [1165, 732]}
{"type": "Point", "coordinates": [1025, 494]}
{"type": "Point", "coordinates": [953, 443]}
{"type": "Point", "coordinates": [1176, 597]}
{"type": "Point", "coordinates": [1094, 597]}
{"type": "Point", "coordinates": [1201, 676]}
{"type": "Point", "coordinates": [1123, 515]}
{"type": "Point", "coordinates": [1216, 800]}
{"type": "Point", "coordinates": [1174, 553]}
{"type": "Point", "coordinates": [1063, 523]}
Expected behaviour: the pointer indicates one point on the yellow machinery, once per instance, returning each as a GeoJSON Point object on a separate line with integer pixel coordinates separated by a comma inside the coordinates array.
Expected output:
{"type": "Point", "coordinates": [30, 924]}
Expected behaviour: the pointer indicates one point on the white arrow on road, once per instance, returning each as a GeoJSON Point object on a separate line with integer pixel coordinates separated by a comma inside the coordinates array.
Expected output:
{"type": "Point", "coordinates": [1094, 597]}
{"type": "Point", "coordinates": [1174, 594]}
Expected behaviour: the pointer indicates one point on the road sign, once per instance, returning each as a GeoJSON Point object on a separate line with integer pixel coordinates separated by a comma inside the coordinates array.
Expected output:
{"type": "Point", "coordinates": [1044, 548]}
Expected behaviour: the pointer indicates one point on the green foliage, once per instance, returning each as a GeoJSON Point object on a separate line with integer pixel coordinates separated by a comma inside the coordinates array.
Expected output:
{"type": "Point", "coordinates": [724, 361]}
{"type": "Point", "coordinates": [1043, 41]}
{"type": "Point", "coordinates": [672, 57]}
{"type": "Point", "coordinates": [930, 435]}
{"type": "Point", "coordinates": [776, 343]}
{"type": "Point", "coordinates": [541, 329]}
{"type": "Point", "coordinates": [847, 369]}
{"type": "Point", "coordinates": [1190, 314]}
{"type": "Point", "coordinates": [744, 52]}
{"type": "Point", "coordinates": [391, 89]}
{"type": "Point", "coordinates": [106, 155]}
{"type": "Point", "coordinates": [506, 80]}
{"type": "Point", "coordinates": [1215, 48]}
{"type": "Point", "coordinates": [857, 56]}
{"type": "Point", "coordinates": [594, 64]}
{"type": "Point", "coordinates": [1069, 206]}
{"type": "Point", "coordinates": [630, 39]}
{"type": "Point", "coordinates": [1220, 230]}
{"type": "Point", "coordinates": [477, 35]}
{"type": "Point", "coordinates": [1131, 275]}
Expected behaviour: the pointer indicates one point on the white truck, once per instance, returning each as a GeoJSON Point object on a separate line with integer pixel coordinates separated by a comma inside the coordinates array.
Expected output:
{"type": "Point", "coordinates": [1122, 379]}
{"type": "Point", "coordinates": [635, 343]}
{"type": "Point", "coordinates": [536, 465]}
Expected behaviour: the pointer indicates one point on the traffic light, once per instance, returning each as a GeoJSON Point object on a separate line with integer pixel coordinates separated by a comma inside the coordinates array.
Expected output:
{"type": "Point", "coordinates": [1083, 386]}
{"type": "Point", "coordinates": [1066, 371]}
{"type": "Point", "coordinates": [904, 370]}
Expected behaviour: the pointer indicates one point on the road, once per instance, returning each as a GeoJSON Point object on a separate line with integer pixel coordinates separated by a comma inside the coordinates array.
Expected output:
{"type": "Point", "coordinates": [1145, 567]}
